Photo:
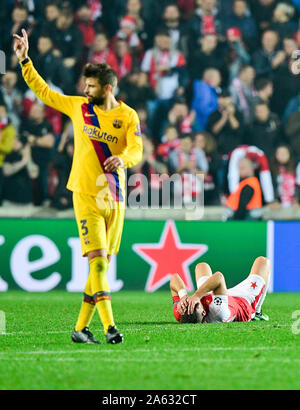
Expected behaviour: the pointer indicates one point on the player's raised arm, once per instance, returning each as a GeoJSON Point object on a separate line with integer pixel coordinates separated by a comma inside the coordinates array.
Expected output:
{"type": "Point", "coordinates": [35, 82]}
{"type": "Point", "coordinates": [216, 283]}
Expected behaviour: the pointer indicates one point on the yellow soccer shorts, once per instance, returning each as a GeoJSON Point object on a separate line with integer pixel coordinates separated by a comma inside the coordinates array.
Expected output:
{"type": "Point", "coordinates": [100, 227]}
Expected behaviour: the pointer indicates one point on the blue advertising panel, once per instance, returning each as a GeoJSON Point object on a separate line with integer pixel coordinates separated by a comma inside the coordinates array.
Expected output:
{"type": "Point", "coordinates": [286, 256]}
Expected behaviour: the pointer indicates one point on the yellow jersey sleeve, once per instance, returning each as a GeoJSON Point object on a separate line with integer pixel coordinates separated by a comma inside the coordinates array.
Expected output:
{"type": "Point", "coordinates": [38, 85]}
{"type": "Point", "coordinates": [133, 153]}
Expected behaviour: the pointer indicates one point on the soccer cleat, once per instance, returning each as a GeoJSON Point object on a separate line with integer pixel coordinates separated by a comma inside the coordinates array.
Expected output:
{"type": "Point", "coordinates": [261, 316]}
{"type": "Point", "coordinates": [113, 336]}
{"type": "Point", "coordinates": [84, 336]}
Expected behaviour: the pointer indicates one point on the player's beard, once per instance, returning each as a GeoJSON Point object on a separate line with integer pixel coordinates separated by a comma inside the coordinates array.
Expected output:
{"type": "Point", "coordinates": [100, 100]}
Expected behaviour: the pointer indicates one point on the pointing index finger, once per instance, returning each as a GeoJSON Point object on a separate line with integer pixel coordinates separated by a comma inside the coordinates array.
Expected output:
{"type": "Point", "coordinates": [25, 36]}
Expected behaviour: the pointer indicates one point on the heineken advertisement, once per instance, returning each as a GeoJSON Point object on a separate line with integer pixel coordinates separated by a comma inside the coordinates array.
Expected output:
{"type": "Point", "coordinates": [39, 255]}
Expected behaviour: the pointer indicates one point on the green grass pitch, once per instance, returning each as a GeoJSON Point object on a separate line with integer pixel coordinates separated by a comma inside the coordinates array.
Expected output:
{"type": "Point", "coordinates": [158, 353]}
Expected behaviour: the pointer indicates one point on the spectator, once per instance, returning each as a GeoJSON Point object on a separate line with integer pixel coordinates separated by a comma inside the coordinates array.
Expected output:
{"type": "Point", "coordinates": [148, 176]}
{"type": "Point", "coordinates": [135, 9]}
{"type": "Point", "coordinates": [292, 131]}
{"type": "Point", "coordinates": [206, 20]}
{"type": "Point", "coordinates": [188, 161]}
{"type": "Point", "coordinates": [237, 55]}
{"type": "Point", "coordinates": [45, 25]}
{"type": "Point", "coordinates": [19, 170]}
{"type": "Point", "coordinates": [243, 93]}
{"type": "Point", "coordinates": [226, 124]}
{"type": "Point", "coordinates": [209, 55]}
{"type": "Point", "coordinates": [62, 163]}
{"type": "Point", "coordinates": [39, 135]}
{"type": "Point", "coordinates": [100, 53]}
{"type": "Point", "coordinates": [284, 176]}
{"type": "Point", "coordinates": [143, 117]}
{"type": "Point", "coordinates": [268, 57]}
{"type": "Point", "coordinates": [265, 132]}
{"type": "Point", "coordinates": [264, 90]}
{"type": "Point", "coordinates": [19, 20]}
{"type": "Point", "coordinates": [109, 15]}
{"type": "Point", "coordinates": [206, 142]}
{"type": "Point", "coordinates": [123, 57]}
{"type": "Point", "coordinates": [166, 67]}
{"type": "Point", "coordinates": [127, 33]}
{"type": "Point", "coordinates": [181, 117]}
{"type": "Point", "coordinates": [245, 202]}
{"type": "Point", "coordinates": [287, 83]}
{"type": "Point", "coordinates": [292, 106]}
{"type": "Point", "coordinates": [282, 20]}
{"type": "Point", "coordinates": [187, 158]}
{"type": "Point", "coordinates": [242, 19]}
{"type": "Point", "coordinates": [262, 11]}
{"type": "Point", "coordinates": [68, 41]}
{"type": "Point", "coordinates": [261, 165]}
{"type": "Point", "coordinates": [51, 12]}
{"type": "Point", "coordinates": [167, 73]}
{"type": "Point", "coordinates": [7, 136]}
{"type": "Point", "coordinates": [186, 8]}
{"type": "Point", "coordinates": [170, 141]}
{"type": "Point", "coordinates": [172, 23]}
{"type": "Point", "coordinates": [85, 23]}
{"type": "Point", "coordinates": [12, 97]}
{"type": "Point", "coordinates": [134, 88]}
{"type": "Point", "coordinates": [51, 67]}
{"type": "Point", "coordinates": [205, 97]}
{"type": "Point", "coordinates": [290, 46]}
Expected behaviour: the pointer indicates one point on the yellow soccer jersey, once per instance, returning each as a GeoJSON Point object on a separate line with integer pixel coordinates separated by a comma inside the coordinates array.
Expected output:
{"type": "Point", "coordinates": [98, 134]}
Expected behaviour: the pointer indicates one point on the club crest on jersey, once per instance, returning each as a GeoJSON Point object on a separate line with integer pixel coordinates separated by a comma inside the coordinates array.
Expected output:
{"type": "Point", "coordinates": [117, 123]}
{"type": "Point", "coordinates": [138, 132]}
{"type": "Point", "coordinates": [218, 301]}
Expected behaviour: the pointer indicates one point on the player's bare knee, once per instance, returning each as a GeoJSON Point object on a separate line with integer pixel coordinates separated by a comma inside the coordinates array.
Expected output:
{"type": "Point", "coordinates": [221, 288]}
{"type": "Point", "coordinates": [220, 276]}
{"type": "Point", "coordinates": [262, 260]}
{"type": "Point", "coordinates": [203, 269]}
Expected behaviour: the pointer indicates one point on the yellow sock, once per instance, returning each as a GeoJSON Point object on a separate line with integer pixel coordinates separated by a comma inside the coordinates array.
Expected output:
{"type": "Point", "coordinates": [87, 307]}
{"type": "Point", "coordinates": [101, 291]}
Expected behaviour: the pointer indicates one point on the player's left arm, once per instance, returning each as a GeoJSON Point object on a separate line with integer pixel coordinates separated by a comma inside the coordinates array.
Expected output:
{"type": "Point", "coordinates": [177, 287]}
{"type": "Point", "coordinates": [216, 284]}
{"type": "Point", "coordinates": [133, 153]}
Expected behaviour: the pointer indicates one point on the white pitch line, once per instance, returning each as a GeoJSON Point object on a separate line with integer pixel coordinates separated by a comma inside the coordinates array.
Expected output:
{"type": "Point", "coordinates": [169, 359]}
{"type": "Point", "coordinates": [131, 329]}
{"type": "Point", "coordinates": [150, 351]}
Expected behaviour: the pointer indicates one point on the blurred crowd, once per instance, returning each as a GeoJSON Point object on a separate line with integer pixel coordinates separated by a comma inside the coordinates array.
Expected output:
{"type": "Point", "coordinates": [213, 82]}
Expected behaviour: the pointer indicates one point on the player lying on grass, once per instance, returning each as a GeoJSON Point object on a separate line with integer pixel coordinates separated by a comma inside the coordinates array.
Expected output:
{"type": "Point", "coordinates": [214, 303]}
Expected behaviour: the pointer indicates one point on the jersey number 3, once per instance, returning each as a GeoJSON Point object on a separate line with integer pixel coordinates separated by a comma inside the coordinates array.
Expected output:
{"type": "Point", "coordinates": [84, 228]}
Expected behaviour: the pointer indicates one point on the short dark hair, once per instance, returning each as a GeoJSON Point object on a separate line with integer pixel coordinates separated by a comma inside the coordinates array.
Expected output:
{"type": "Point", "coordinates": [186, 318]}
{"type": "Point", "coordinates": [162, 32]}
{"type": "Point", "coordinates": [103, 72]}
{"type": "Point", "coordinates": [262, 82]}
{"type": "Point", "coordinates": [184, 135]}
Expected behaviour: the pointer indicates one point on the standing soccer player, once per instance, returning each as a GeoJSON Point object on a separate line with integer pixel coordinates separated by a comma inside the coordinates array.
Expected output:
{"type": "Point", "coordinates": [107, 139]}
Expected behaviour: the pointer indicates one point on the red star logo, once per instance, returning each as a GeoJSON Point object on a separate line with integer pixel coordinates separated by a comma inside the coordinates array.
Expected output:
{"type": "Point", "coordinates": [253, 285]}
{"type": "Point", "coordinates": [169, 256]}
